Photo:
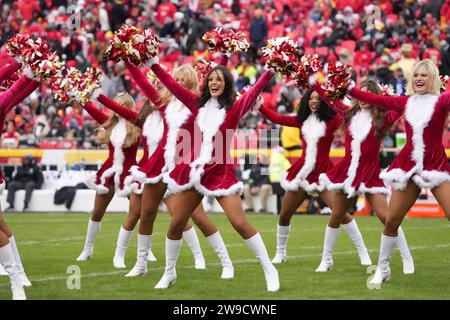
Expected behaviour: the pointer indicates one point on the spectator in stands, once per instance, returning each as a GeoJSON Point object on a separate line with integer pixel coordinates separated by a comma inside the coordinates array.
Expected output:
{"type": "Point", "coordinates": [29, 177]}
{"type": "Point", "coordinates": [407, 61]}
{"type": "Point", "coordinates": [10, 139]}
{"type": "Point", "coordinates": [258, 30]}
{"type": "Point", "coordinates": [257, 184]}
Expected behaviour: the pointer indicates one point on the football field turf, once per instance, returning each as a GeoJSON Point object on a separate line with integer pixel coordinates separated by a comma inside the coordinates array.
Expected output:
{"type": "Point", "coordinates": [50, 243]}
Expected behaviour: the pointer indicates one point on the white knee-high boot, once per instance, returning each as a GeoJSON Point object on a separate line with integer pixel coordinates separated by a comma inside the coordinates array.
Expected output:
{"type": "Point", "coordinates": [190, 236]}
{"type": "Point", "coordinates": [407, 259]}
{"type": "Point", "coordinates": [256, 245]}
{"type": "Point", "coordinates": [140, 268]}
{"type": "Point", "coordinates": [9, 263]}
{"type": "Point", "coordinates": [91, 235]}
{"type": "Point", "coordinates": [383, 272]}
{"type": "Point", "coordinates": [282, 239]}
{"type": "Point", "coordinates": [217, 243]}
{"type": "Point", "coordinates": [123, 240]}
{"type": "Point", "coordinates": [25, 281]}
{"type": "Point", "coordinates": [331, 236]}
{"type": "Point", "coordinates": [170, 274]}
{"type": "Point", "coordinates": [355, 235]}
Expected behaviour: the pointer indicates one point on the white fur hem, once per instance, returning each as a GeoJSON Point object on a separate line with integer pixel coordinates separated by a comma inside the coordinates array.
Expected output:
{"type": "Point", "coordinates": [137, 174]}
{"type": "Point", "coordinates": [235, 188]}
{"type": "Point", "coordinates": [135, 186]}
{"type": "Point", "coordinates": [349, 190]}
{"type": "Point", "coordinates": [173, 187]}
{"type": "Point", "coordinates": [99, 188]}
{"type": "Point", "coordinates": [427, 179]}
{"type": "Point", "coordinates": [296, 184]}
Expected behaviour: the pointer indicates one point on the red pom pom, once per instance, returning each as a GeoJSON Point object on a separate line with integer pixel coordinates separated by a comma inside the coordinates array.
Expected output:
{"type": "Point", "coordinates": [131, 44]}
{"type": "Point", "coordinates": [444, 82]}
{"type": "Point", "coordinates": [281, 55]}
{"type": "Point", "coordinates": [337, 81]}
{"type": "Point", "coordinates": [308, 66]}
{"type": "Point", "coordinates": [203, 68]}
{"type": "Point", "coordinates": [226, 42]}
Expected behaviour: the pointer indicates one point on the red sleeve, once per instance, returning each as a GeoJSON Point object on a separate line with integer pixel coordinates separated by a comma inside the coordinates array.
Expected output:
{"type": "Point", "coordinates": [8, 70]}
{"type": "Point", "coordinates": [23, 94]}
{"type": "Point", "coordinates": [249, 98]}
{"type": "Point", "coordinates": [122, 111]}
{"type": "Point", "coordinates": [337, 106]}
{"type": "Point", "coordinates": [188, 98]}
{"type": "Point", "coordinates": [8, 96]}
{"type": "Point", "coordinates": [98, 115]}
{"type": "Point", "coordinates": [290, 121]}
{"type": "Point", "coordinates": [390, 103]}
{"type": "Point", "coordinates": [150, 91]}
{"type": "Point", "coordinates": [445, 99]}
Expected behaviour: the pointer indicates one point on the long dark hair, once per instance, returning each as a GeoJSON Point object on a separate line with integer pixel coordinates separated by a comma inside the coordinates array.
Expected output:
{"type": "Point", "coordinates": [378, 114]}
{"type": "Point", "coordinates": [324, 112]}
{"type": "Point", "coordinates": [227, 98]}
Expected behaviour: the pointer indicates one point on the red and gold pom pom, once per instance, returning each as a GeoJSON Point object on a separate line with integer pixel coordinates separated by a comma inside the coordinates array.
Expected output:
{"type": "Point", "coordinates": [309, 64]}
{"type": "Point", "coordinates": [18, 45]}
{"type": "Point", "coordinates": [203, 68]}
{"type": "Point", "coordinates": [337, 81]}
{"type": "Point", "coordinates": [153, 78]}
{"type": "Point", "coordinates": [65, 88]}
{"type": "Point", "coordinates": [131, 44]}
{"type": "Point", "coordinates": [281, 55]}
{"type": "Point", "coordinates": [235, 42]}
{"type": "Point", "coordinates": [214, 39]}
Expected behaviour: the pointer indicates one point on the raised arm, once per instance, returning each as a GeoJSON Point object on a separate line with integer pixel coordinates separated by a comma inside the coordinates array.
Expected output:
{"type": "Point", "coordinates": [290, 121]}
{"type": "Point", "coordinates": [98, 115]}
{"type": "Point", "coordinates": [8, 70]}
{"type": "Point", "coordinates": [390, 103]}
{"type": "Point", "coordinates": [188, 98]}
{"type": "Point", "coordinates": [337, 106]}
{"type": "Point", "coordinates": [146, 87]}
{"type": "Point", "coordinates": [249, 98]}
{"type": "Point", "coordinates": [23, 94]}
{"type": "Point", "coordinates": [445, 99]}
{"type": "Point", "coordinates": [122, 111]}
{"type": "Point", "coordinates": [8, 96]}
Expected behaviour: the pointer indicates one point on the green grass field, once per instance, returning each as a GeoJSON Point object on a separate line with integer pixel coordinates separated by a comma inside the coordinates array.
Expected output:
{"type": "Point", "coordinates": [50, 243]}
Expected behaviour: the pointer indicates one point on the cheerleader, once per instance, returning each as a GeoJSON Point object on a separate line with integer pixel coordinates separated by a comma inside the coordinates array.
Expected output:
{"type": "Point", "coordinates": [358, 172]}
{"type": "Point", "coordinates": [123, 142]}
{"type": "Point", "coordinates": [422, 163]}
{"type": "Point", "coordinates": [9, 254]}
{"type": "Point", "coordinates": [318, 123]}
{"type": "Point", "coordinates": [208, 170]}
{"type": "Point", "coordinates": [174, 118]}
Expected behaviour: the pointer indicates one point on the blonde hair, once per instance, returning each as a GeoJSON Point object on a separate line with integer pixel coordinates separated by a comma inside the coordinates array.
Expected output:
{"type": "Point", "coordinates": [133, 132]}
{"type": "Point", "coordinates": [189, 81]}
{"type": "Point", "coordinates": [430, 68]}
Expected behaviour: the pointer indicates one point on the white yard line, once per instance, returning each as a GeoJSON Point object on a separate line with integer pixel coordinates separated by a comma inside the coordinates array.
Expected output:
{"type": "Point", "coordinates": [217, 264]}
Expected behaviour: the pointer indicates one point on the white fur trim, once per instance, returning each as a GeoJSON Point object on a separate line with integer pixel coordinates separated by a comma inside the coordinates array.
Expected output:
{"type": "Point", "coordinates": [97, 93]}
{"type": "Point", "coordinates": [173, 187]}
{"type": "Point", "coordinates": [419, 110]}
{"type": "Point", "coordinates": [135, 186]}
{"type": "Point", "coordinates": [91, 183]}
{"type": "Point", "coordinates": [137, 174]}
{"type": "Point", "coordinates": [209, 120]}
{"type": "Point", "coordinates": [29, 73]}
{"type": "Point", "coordinates": [2, 186]}
{"type": "Point", "coordinates": [349, 190]}
{"type": "Point", "coordinates": [153, 130]}
{"type": "Point", "coordinates": [295, 184]}
{"type": "Point", "coordinates": [176, 115]}
{"type": "Point", "coordinates": [235, 188]}
{"type": "Point", "coordinates": [418, 113]}
{"type": "Point", "coordinates": [152, 61]}
{"type": "Point", "coordinates": [351, 85]}
{"type": "Point", "coordinates": [360, 126]}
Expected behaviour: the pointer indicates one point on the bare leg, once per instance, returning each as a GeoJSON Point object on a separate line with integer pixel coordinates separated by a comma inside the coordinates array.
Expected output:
{"type": "Point", "coordinates": [339, 207]}
{"type": "Point", "coordinates": [4, 227]}
{"type": "Point", "coordinates": [380, 205]}
{"type": "Point", "coordinates": [327, 197]}
{"type": "Point", "coordinates": [169, 204]}
{"type": "Point", "coordinates": [134, 212]}
{"type": "Point", "coordinates": [291, 201]}
{"type": "Point", "coordinates": [232, 206]}
{"type": "Point", "coordinates": [100, 204]}
{"type": "Point", "coordinates": [441, 193]}
{"type": "Point", "coordinates": [151, 198]}
{"type": "Point", "coordinates": [184, 204]}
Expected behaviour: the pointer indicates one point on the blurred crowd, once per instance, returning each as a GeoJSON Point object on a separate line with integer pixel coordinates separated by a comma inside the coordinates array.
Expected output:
{"type": "Point", "coordinates": [380, 39]}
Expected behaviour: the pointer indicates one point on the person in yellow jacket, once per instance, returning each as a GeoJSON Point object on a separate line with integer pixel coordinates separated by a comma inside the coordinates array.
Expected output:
{"type": "Point", "coordinates": [277, 167]}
